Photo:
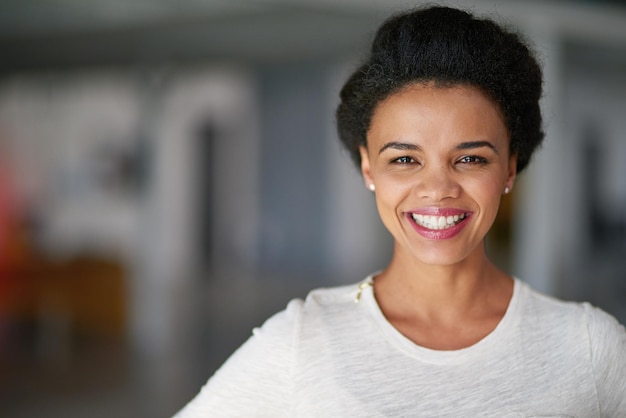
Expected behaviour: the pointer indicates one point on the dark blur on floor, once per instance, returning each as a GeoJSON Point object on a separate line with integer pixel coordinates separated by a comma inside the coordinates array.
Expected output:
{"type": "Point", "coordinates": [46, 373]}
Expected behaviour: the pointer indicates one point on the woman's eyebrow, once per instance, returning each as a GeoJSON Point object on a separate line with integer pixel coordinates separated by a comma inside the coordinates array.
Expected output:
{"type": "Point", "coordinates": [403, 146]}
{"type": "Point", "coordinates": [476, 144]}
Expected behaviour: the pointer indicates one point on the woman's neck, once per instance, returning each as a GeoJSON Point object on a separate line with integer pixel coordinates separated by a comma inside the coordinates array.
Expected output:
{"type": "Point", "coordinates": [474, 286]}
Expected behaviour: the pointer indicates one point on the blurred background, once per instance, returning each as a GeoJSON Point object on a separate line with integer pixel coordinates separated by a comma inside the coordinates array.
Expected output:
{"type": "Point", "coordinates": [170, 176]}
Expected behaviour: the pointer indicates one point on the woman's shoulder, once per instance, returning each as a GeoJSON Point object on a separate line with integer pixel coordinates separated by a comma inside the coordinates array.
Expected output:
{"type": "Point", "coordinates": [331, 296]}
{"type": "Point", "coordinates": [542, 305]}
{"type": "Point", "coordinates": [580, 337]}
{"type": "Point", "coordinates": [581, 316]}
{"type": "Point", "coordinates": [542, 302]}
{"type": "Point", "coordinates": [317, 303]}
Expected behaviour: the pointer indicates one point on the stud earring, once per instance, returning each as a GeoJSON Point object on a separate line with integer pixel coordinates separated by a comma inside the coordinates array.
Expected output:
{"type": "Point", "coordinates": [372, 187]}
{"type": "Point", "coordinates": [507, 190]}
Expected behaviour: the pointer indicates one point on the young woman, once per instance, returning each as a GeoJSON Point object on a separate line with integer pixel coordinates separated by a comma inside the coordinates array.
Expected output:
{"type": "Point", "coordinates": [440, 119]}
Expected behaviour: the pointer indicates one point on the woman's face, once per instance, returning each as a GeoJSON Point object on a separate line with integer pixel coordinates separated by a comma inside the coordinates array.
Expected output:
{"type": "Point", "coordinates": [439, 160]}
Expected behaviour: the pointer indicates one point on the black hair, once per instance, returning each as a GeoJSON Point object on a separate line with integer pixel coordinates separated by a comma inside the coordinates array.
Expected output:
{"type": "Point", "coordinates": [448, 47]}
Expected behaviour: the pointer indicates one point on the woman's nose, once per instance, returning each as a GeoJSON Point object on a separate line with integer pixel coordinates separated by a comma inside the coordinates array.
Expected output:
{"type": "Point", "coordinates": [436, 183]}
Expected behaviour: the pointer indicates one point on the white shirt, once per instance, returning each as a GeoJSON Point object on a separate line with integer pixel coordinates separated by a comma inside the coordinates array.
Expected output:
{"type": "Point", "coordinates": [329, 356]}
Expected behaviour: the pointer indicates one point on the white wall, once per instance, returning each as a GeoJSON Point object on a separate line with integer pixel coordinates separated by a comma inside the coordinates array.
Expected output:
{"type": "Point", "coordinates": [59, 129]}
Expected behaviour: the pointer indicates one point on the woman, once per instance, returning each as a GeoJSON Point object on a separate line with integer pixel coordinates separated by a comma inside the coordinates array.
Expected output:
{"type": "Point", "coordinates": [440, 119]}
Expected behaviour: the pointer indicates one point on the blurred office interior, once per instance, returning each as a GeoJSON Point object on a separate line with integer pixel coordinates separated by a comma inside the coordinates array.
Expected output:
{"type": "Point", "coordinates": [170, 176]}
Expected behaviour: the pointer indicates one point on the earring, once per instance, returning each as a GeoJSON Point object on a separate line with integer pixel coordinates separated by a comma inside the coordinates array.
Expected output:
{"type": "Point", "coordinates": [372, 187]}
{"type": "Point", "coordinates": [507, 190]}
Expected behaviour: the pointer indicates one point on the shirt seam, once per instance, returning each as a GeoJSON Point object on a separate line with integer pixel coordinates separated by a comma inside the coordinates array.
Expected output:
{"type": "Point", "coordinates": [295, 337]}
{"type": "Point", "coordinates": [591, 358]}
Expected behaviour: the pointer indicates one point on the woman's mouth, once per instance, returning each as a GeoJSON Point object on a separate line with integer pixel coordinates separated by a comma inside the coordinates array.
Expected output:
{"type": "Point", "coordinates": [439, 223]}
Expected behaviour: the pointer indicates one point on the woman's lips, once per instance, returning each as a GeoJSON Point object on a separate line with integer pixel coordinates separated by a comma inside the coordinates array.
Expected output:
{"type": "Point", "coordinates": [438, 223]}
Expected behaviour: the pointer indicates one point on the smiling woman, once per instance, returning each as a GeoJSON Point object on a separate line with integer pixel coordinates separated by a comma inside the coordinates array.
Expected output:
{"type": "Point", "coordinates": [440, 119]}
{"type": "Point", "coordinates": [434, 153]}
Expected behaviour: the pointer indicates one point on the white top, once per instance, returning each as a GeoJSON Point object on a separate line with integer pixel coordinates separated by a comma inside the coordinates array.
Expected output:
{"type": "Point", "coordinates": [329, 356]}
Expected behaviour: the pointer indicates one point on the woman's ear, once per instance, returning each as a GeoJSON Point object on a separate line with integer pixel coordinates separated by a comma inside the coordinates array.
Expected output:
{"type": "Point", "coordinates": [366, 168]}
{"type": "Point", "coordinates": [511, 174]}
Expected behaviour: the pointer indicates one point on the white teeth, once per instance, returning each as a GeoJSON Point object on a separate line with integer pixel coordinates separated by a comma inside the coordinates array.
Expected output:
{"type": "Point", "coordinates": [437, 222]}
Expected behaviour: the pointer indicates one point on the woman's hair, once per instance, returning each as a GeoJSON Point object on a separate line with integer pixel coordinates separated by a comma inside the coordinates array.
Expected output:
{"type": "Point", "coordinates": [447, 47]}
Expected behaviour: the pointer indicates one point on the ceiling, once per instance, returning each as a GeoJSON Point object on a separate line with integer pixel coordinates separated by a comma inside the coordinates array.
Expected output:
{"type": "Point", "coordinates": [43, 34]}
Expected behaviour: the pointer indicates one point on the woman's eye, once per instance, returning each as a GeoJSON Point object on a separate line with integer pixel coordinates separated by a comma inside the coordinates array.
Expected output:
{"type": "Point", "coordinates": [403, 160]}
{"type": "Point", "coordinates": [473, 159]}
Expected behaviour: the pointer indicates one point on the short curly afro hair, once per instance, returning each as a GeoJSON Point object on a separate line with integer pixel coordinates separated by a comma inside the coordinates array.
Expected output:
{"type": "Point", "coordinates": [448, 47]}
